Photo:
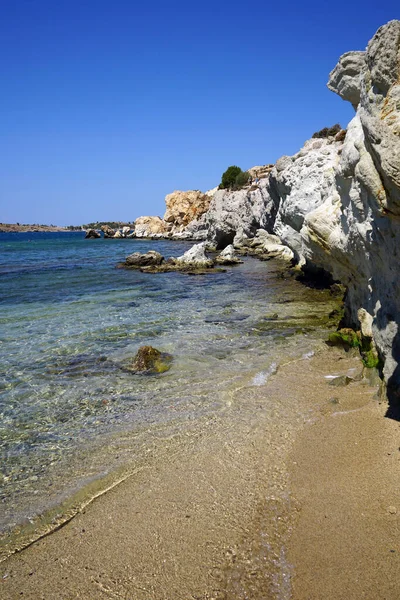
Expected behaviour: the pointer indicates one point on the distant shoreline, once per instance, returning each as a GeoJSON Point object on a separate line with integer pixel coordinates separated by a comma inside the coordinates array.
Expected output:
{"type": "Point", "coordinates": [17, 228]}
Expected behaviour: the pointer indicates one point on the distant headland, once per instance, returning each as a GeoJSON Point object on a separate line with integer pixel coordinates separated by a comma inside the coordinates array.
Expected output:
{"type": "Point", "coordinates": [32, 228]}
{"type": "Point", "coordinates": [18, 228]}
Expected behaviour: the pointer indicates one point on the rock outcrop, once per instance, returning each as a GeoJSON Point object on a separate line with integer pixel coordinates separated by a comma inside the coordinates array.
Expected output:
{"type": "Point", "coordinates": [232, 212]}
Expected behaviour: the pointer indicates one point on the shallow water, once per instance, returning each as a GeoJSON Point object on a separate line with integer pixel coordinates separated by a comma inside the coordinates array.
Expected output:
{"type": "Point", "coordinates": [71, 322]}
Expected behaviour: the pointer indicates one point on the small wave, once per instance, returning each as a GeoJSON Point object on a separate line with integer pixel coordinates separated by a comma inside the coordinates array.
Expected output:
{"type": "Point", "coordinates": [262, 377]}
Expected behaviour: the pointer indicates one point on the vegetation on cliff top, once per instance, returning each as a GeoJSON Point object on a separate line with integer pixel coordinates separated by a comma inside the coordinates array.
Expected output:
{"type": "Point", "coordinates": [234, 178]}
{"type": "Point", "coordinates": [327, 131]}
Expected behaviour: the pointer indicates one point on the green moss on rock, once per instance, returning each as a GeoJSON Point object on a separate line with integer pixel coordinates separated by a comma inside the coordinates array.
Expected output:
{"type": "Point", "coordinates": [347, 338]}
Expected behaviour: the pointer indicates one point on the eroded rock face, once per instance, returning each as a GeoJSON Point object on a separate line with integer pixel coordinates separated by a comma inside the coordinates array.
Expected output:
{"type": "Point", "coordinates": [184, 207]}
{"type": "Point", "coordinates": [379, 110]}
{"type": "Point", "coordinates": [345, 79]}
{"type": "Point", "coordinates": [300, 184]}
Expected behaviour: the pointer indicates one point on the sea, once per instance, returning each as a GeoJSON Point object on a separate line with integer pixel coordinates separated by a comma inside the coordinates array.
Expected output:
{"type": "Point", "coordinates": [71, 322]}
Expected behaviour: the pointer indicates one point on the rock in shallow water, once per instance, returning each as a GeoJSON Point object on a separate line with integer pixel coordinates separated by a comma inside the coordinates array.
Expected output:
{"type": "Point", "coordinates": [149, 360]}
{"type": "Point", "coordinates": [137, 260]}
{"type": "Point", "coordinates": [194, 261]}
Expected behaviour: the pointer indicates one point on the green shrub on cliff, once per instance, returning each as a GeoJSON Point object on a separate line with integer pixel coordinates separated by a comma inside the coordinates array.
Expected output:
{"type": "Point", "coordinates": [241, 180]}
{"type": "Point", "coordinates": [229, 177]}
{"type": "Point", "coordinates": [233, 178]}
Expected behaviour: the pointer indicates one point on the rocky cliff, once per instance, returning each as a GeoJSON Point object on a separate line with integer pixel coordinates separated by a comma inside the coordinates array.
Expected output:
{"type": "Point", "coordinates": [339, 203]}
{"type": "Point", "coordinates": [336, 203]}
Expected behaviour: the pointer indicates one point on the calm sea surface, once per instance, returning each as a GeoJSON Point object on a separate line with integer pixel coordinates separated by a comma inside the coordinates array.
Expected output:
{"type": "Point", "coordinates": [70, 322]}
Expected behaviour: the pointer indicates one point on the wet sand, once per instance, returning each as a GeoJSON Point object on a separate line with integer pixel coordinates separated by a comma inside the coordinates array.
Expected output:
{"type": "Point", "coordinates": [299, 503]}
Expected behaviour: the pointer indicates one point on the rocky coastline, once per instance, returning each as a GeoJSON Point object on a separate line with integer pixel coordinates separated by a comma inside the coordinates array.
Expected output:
{"type": "Point", "coordinates": [302, 506]}
{"type": "Point", "coordinates": [333, 208]}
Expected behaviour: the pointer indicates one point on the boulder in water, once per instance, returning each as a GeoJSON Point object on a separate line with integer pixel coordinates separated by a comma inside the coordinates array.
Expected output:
{"type": "Point", "coordinates": [108, 231]}
{"type": "Point", "coordinates": [92, 233]}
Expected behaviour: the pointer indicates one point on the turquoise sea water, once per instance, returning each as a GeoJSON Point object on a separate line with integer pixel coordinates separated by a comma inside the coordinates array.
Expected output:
{"type": "Point", "coordinates": [70, 322]}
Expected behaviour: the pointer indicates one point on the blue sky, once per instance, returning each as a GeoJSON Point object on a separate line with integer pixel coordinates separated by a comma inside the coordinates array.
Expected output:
{"type": "Point", "coordinates": [107, 106]}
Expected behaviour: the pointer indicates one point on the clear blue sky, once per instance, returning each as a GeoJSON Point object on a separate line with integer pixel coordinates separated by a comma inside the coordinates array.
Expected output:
{"type": "Point", "coordinates": [107, 106]}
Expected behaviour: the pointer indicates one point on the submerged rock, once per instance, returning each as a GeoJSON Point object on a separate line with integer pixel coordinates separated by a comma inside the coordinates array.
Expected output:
{"type": "Point", "coordinates": [149, 360]}
{"type": "Point", "coordinates": [340, 381]}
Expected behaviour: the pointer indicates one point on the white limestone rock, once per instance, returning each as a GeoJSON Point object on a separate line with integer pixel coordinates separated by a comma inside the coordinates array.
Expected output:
{"type": "Point", "coordinates": [195, 256]}
{"type": "Point", "coordinates": [339, 202]}
{"type": "Point", "coordinates": [228, 257]}
{"type": "Point", "coordinates": [345, 79]}
{"type": "Point", "coordinates": [300, 184]}
{"type": "Point", "coordinates": [242, 211]}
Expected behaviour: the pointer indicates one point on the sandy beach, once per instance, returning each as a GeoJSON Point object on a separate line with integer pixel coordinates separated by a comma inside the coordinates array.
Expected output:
{"type": "Point", "coordinates": [235, 510]}
{"type": "Point", "coordinates": [345, 476]}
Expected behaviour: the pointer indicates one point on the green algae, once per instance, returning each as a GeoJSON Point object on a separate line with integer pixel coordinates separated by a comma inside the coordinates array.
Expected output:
{"type": "Point", "coordinates": [348, 338]}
